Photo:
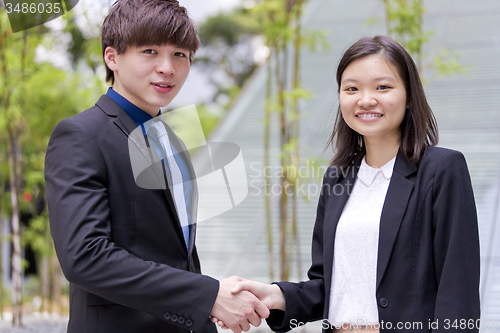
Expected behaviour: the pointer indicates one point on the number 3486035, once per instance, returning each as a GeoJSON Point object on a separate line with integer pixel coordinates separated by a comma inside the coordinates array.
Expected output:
{"type": "Point", "coordinates": [33, 8]}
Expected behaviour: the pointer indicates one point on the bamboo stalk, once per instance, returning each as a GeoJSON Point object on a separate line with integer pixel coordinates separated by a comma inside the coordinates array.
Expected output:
{"type": "Point", "coordinates": [296, 130]}
{"type": "Point", "coordinates": [267, 196]}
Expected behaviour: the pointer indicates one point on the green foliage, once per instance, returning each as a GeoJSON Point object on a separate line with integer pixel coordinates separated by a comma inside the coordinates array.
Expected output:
{"type": "Point", "coordinates": [195, 117]}
{"type": "Point", "coordinates": [446, 63]}
{"type": "Point", "coordinates": [209, 119]}
{"type": "Point", "coordinates": [274, 18]}
{"type": "Point", "coordinates": [405, 17]}
{"type": "Point", "coordinates": [38, 236]}
{"type": "Point", "coordinates": [312, 38]}
{"type": "Point", "coordinates": [404, 21]}
{"type": "Point", "coordinates": [316, 168]}
{"type": "Point", "coordinates": [83, 48]}
{"type": "Point", "coordinates": [93, 53]}
{"type": "Point", "coordinates": [299, 93]}
{"type": "Point", "coordinates": [77, 45]}
{"type": "Point", "coordinates": [228, 28]}
{"type": "Point", "coordinates": [227, 52]}
{"type": "Point", "coordinates": [34, 97]}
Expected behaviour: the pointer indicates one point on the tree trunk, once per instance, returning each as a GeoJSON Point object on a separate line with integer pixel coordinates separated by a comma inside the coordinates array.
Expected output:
{"type": "Point", "coordinates": [420, 9]}
{"type": "Point", "coordinates": [45, 277]}
{"type": "Point", "coordinates": [14, 152]}
{"type": "Point", "coordinates": [267, 195]}
{"type": "Point", "coordinates": [1, 255]}
{"type": "Point", "coordinates": [296, 132]}
{"type": "Point", "coordinates": [283, 180]}
{"type": "Point", "coordinates": [387, 17]}
{"type": "Point", "coordinates": [3, 238]}
{"type": "Point", "coordinates": [56, 284]}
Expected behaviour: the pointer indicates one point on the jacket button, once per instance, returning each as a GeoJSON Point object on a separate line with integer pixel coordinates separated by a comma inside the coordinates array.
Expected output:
{"type": "Point", "coordinates": [384, 302]}
{"type": "Point", "coordinates": [174, 318]}
{"type": "Point", "coordinates": [189, 323]}
{"type": "Point", "coordinates": [167, 316]}
{"type": "Point", "coordinates": [181, 320]}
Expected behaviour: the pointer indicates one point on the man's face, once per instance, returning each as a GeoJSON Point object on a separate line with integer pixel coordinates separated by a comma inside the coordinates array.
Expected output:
{"type": "Point", "coordinates": [149, 76]}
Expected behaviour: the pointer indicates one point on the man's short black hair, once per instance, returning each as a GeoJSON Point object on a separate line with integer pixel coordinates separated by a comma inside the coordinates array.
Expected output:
{"type": "Point", "coordinates": [147, 22]}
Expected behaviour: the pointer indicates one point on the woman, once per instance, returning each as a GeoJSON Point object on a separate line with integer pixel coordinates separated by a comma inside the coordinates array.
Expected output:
{"type": "Point", "coordinates": [395, 243]}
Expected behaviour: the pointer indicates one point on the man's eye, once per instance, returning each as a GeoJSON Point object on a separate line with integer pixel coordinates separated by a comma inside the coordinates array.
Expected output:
{"type": "Point", "coordinates": [150, 51]}
{"type": "Point", "coordinates": [180, 54]}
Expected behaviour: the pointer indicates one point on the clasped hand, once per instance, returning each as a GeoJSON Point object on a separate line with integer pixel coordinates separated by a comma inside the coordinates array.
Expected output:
{"type": "Point", "coordinates": [242, 302]}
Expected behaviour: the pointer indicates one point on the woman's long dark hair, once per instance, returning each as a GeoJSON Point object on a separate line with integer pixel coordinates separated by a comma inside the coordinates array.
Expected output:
{"type": "Point", "coordinates": [419, 126]}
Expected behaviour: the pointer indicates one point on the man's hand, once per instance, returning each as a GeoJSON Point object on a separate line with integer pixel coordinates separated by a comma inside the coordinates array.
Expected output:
{"type": "Point", "coordinates": [237, 310]}
{"type": "Point", "coordinates": [270, 294]}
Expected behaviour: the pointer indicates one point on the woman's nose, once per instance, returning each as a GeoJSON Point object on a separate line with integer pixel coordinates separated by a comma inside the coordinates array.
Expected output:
{"type": "Point", "coordinates": [367, 101]}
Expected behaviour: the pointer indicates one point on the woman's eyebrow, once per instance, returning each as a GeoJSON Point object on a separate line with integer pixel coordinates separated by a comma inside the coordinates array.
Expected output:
{"type": "Point", "coordinates": [349, 80]}
{"type": "Point", "coordinates": [381, 78]}
{"type": "Point", "coordinates": [384, 78]}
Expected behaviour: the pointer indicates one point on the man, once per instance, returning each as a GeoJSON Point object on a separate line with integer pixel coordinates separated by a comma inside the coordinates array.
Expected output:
{"type": "Point", "coordinates": [128, 251]}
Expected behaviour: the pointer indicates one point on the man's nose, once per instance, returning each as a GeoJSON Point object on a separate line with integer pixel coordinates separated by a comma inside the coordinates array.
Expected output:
{"type": "Point", "coordinates": [166, 66]}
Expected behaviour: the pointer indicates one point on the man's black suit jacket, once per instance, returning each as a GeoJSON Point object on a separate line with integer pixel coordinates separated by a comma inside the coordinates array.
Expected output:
{"type": "Point", "coordinates": [120, 246]}
{"type": "Point", "coordinates": [428, 251]}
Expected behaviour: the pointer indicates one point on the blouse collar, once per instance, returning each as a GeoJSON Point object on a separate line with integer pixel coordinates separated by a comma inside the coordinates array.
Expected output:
{"type": "Point", "coordinates": [367, 173]}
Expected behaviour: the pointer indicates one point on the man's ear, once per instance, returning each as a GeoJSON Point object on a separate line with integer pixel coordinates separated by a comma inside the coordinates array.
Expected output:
{"type": "Point", "coordinates": [110, 55]}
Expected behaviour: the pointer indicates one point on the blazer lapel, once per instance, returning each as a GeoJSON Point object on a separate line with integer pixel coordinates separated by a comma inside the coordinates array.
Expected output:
{"type": "Point", "coordinates": [396, 201]}
{"type": "Point", "coordinates": [127, 125]}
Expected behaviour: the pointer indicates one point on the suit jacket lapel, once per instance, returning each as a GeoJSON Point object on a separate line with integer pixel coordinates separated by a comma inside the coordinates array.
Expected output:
{"type": "Point", "coordinates": [396, 201]}
{"type": "Point", "coordinates": [127, 125]}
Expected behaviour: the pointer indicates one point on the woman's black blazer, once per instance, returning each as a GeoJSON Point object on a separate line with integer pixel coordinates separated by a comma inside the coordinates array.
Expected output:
{"type": "Point", "coordinates": [428, 252]}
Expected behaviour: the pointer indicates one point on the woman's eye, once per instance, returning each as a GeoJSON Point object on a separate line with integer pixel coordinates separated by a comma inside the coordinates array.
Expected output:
{"type": "Point", "coordinates": [383, 87]}
{"type": "Point", "coordinates": [352, 89]}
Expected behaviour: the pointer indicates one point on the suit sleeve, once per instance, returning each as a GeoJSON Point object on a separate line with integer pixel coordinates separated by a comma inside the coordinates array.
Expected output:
{"type": "Point", "coordinates": [79, 214]}
{"type": "Point", "coordinates": [455, 246]}
{"type": "Point", "coordinates": [304, 301]}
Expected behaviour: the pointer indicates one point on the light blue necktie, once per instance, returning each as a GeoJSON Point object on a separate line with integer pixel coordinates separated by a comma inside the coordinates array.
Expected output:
{"type": "Point", "coordinates": [176, 176]}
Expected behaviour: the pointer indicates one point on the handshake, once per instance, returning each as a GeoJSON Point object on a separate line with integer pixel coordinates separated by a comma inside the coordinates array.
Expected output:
{"type": "Point", "coordinates": [242, 302]}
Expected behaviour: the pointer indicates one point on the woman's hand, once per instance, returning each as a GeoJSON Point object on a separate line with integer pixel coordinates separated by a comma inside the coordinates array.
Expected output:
{"type": "Point", "coordinates": [270, 295]}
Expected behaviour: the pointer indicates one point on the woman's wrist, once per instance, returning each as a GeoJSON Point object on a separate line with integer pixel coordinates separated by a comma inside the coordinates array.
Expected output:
{"type": "Point", "coordinates": [279, 298]}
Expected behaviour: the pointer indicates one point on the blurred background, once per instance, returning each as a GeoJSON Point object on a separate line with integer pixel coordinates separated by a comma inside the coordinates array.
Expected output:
{"type": "Point", "coordinates": [264, 79]}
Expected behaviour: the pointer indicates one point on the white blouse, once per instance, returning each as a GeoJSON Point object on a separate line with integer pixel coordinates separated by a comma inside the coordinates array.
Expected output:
{"type": "Point", "coordinates": [354, 274]}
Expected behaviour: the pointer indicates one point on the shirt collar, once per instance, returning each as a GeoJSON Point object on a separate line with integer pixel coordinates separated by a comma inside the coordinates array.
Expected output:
{"type": "Point", "coordinates": [367, 174]}
{"type": "Point", "coordinates": [138, 115]}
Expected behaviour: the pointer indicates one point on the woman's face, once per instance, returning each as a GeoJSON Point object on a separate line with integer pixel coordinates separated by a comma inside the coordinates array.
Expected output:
{"type": "Point", "coordinates": [373, 98]}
